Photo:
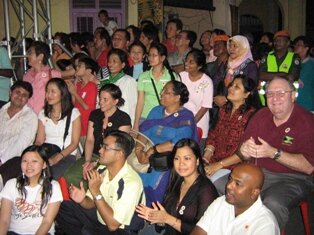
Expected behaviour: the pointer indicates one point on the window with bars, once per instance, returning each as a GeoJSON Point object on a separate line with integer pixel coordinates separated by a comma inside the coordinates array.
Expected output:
{"type": "Point", "coordinates": [84, 13]}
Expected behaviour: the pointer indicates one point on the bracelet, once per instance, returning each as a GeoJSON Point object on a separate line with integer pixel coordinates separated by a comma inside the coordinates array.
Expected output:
{"type": "Point", "coordinates": [61, 155]}
{"type": "Point", "coordinates": [209, 149]}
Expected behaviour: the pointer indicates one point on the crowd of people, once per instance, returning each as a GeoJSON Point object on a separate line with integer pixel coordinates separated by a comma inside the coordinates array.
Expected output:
{"type": "Point", "coordinates": [230, 123]}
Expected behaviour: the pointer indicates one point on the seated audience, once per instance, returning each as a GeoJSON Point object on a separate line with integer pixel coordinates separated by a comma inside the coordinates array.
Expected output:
{"type": "Point", "coordinates": [110, 25]}
{"type": "Point", "coordinates": [156, 77]}
{"type": "Point", "coordinates": [84, 91]}
{"type": "Point", "coordinates": [113, 192]}
{"type": "Point", "coordinates": [305, 98]}
{"type": "Point", "coordinates": [241, 210]}
{"type": "Point", "coordinates": [18, 125]}
{"type": "Point", "coordinates": [135, 33]}
{"type": "Point", "coordinates": [59, 52]}
{"type": "Point", "coordinates": [207, 46]}
{"type": "Point", "coordinates": [102, 42]}
{"type": "Point", "coordinates": [188, 194]}
{"type": "Point", "coordinates": [279, 138]}
{"type": "Point", "coordinates": [184, 43]}
{"type": "Point", "coordinates": [137, 53]}
{"type": "Point", "coordinates": [117, 64]}
{"type": "Point", "coordinates": [59, 126]}
{"type": "Point", "coordinates": [77, 43]}
{"type": "Point", "coordinates": [148, 36]}
{"type": "Point", "coordinates": [165, 125]}
{"type": "Point", "coordinates": [173, 28]}
{"type": "Point", "coordinates": [30, 202]}
{"type": "Point", "coordinates": [222, 142]}
{"type": "Point", "coordinates": [200, 88]}
{"type": "Point", "coordinates": [39, 73]}
{"type": "Point", "coordinates": [101, 121]}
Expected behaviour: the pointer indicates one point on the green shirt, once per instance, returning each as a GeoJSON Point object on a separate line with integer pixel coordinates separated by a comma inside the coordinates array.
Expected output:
{"type": "Point", "coordinates": [145, 84]}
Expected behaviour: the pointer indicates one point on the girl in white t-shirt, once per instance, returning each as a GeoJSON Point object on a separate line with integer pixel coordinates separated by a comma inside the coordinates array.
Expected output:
{"type": "Point", "coordinates": [30, 202]}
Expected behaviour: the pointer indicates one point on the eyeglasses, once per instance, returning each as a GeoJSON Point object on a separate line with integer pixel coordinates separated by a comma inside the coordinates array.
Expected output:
{"type": "Point", "coordinates": [166, 92]}
{"type": "Point", "coordinates": [106, 147]}
{"type": "Point", "coordinates": [281, 94]}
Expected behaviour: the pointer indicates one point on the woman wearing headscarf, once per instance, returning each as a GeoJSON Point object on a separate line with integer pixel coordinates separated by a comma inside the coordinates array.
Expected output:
{"type": "Point", "coordinates": [240, 60]}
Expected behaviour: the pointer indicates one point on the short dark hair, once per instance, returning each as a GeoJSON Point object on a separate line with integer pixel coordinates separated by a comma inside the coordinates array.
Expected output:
{"type": "Point", "coordinates": [123, 141]}
{"type": "Point", "coordinates": [63, 64]}
{"type": "Point", "coordinates": [90, 64]}
{"type": "Point", "coordinates": [103, 12]}
{"type": "Point", "coordinates": [151, 32]}
{"type": "Point", "coordinates": [306, 41]}
{"type": "Point", "coordinates": [177, 22]}
{"type": "Point", "coordinates": [103, 34]}
{"type": "Point", "coordinates": [136, 31]}
{"type": "Point", "coordinates": [114, 91]}
{"type": "Point", "coordinates": [41, 48]}
{"type": "Point", "coordinates": [25, 85]}
{"type": "Point", "coordinates": [179, 88]}
{"type": "Point", "coordinates": [123, 56]}
{"type": "Point", "coordinates": [126, 33]}
{"type": "Point", "coordinates": [191, 35]}
{"type": "Point", "coordinates": [139, 44]}
{"type": "Point", "coordinates": [199, 57]}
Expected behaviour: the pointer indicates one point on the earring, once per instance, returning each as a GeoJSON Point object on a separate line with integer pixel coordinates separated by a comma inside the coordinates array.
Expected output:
{"type": "Point", "coordinates": [23, 176]}
{"type": "Point", "coordinates": [44, 174]}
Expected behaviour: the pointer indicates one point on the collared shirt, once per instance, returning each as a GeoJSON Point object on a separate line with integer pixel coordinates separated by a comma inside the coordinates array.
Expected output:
{"type": "Point", "coordinates": [293, 136]}
{"type": "Point", "coordinates": [39, 81]}
{"type": "Point", "coordinates": [122, 194]}
{"type": "Point", "coordinates": [18, 131]}
{"type": "Point", "coordinates": [176, 59]}
{"type": "Point", "coordinates": [219, 218]}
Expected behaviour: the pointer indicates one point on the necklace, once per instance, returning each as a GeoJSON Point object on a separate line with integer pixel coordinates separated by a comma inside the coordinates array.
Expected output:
{"type": "Point", "coordinates": [53, 116]}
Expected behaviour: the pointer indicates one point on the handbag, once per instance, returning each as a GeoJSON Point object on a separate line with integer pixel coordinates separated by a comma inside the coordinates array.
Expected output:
{"type": "Point", "coordinates": [52, 149]}
{"type": "Point", "coordinates": [160, 161]}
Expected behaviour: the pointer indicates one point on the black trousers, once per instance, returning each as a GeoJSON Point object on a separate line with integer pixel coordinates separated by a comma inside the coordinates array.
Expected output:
{"type": "Point", "coordinates": [72, 219]}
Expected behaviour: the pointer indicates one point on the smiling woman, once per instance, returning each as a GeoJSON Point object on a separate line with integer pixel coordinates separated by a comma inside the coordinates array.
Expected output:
{"type": "Point", "coordinates": [223, 140]}
{"type": "Point", "coordinates": [59, 124]}
{"type": "Point", "coordinates": [188, 194]}
{"type": "Point", "coordinates": [31, 201]}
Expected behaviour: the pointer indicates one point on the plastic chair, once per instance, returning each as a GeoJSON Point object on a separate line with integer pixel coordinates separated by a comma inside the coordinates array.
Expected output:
{"type": "Point", "coordinates": [199, 134]}
{"type": "Point", "coordinates": [304, 207]}
{"type": "Point", "coordinates": [64, 188]}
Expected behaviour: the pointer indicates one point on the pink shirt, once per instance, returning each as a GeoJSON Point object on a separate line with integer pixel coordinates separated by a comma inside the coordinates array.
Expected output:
{"type": "Point", "coordinates": [39, 81]}
{"type": "Point", "coordinates": [201, 95]}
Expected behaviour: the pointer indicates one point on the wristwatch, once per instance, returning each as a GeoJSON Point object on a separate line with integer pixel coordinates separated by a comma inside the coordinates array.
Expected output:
{"type": "Point", "coordinates": [277, 154]}
{"type": "Point", "coordinates": [98, 197]}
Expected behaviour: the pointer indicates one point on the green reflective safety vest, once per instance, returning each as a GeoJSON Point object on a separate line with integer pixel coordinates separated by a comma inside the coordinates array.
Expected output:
{"type": "Point", "coordinates": [285, 65]}
{"type": "Point", "coordinates": [273, 67]}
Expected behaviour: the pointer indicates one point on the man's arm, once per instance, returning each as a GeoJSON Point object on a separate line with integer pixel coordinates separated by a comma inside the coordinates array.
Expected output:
{"type": "Point", "coordinates": [94, 181]}
{"type": "Point", "coordinates": [293, 161]}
